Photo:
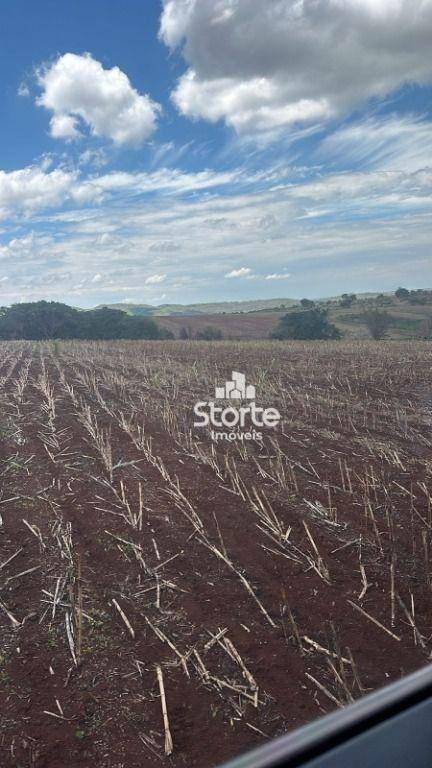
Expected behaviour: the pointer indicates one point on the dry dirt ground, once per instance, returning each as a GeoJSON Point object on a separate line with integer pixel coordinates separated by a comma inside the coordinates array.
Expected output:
{"type": "Point", "coordinates": [242, 588]}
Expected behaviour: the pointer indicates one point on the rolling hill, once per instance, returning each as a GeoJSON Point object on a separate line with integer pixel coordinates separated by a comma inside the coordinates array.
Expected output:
{"type": "Point", "coordinates": [212, 308]}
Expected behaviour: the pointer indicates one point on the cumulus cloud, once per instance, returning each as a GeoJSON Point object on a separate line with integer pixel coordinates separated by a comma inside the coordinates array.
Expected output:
{"type": "Point", "coordinates": [242, 272]}
{"type": "Point", "coordinates": [81, 93]}
{"type": "Point", "coordinates": [29, 189]}
{"type": "Point", "coordinates": [64, 127]}
{"type": "Point", "coordinates": [263, 66]}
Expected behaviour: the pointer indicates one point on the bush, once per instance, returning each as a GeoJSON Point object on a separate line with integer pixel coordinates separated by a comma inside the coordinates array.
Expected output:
{"type": "Point", "coordinates": [210, 333]}
{"type": "Point", "coordinates": [418, 297]}
{"type": "Point", "coordinates": [164, 333]}
{"type": "Point", "coordinates": [425, 330]}
{"type": "Point", "coordinates": [377, 323]}
{"type": "Point", "coordinates": [307, 325]}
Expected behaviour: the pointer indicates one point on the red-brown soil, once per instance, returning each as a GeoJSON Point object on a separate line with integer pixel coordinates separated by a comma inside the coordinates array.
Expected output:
{"type": "Point", "coordinates": [239, 569]}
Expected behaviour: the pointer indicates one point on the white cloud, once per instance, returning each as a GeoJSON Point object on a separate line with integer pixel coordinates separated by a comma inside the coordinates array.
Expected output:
{"type": "Point", "coordinates": [154, 279]}
{"type": "Point", "coordinates": [327, 233]}
{"type": "Point", "coordinates": [246, 105]}
{"type": "Point", "coordinates": [242, 272]}
{"type": "Point", "coordinates": [263, 66]}
{"type": "Point", "coordinates": [23, 90]}
{"type": "Point", "coordinates": [105, 239]}
{"type": "Point", "coordinates": [96, 158]}
{"type": "Point", "coordinates": [165, 246]}
{"type": "Point", "coordinates": [395, 142]}
{"type": "Point", "coordinates": [32, 188]}
{"type": "Point", "coordinates": [36, 188]}
{"type": "Point", "coordinates": [278, 276]}
{"type": "Point", "coordinates": [79, 91]}
{"type": "Point", "coordinates": [229, 228]}
{"type": "Point", "coordinates": [64, 127]}
{"type": "Point", "coordinates": [165, 180]}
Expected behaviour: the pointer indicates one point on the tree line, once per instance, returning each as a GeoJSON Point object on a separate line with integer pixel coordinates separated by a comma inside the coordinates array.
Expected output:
{"type": "Point", "coordinates": [52, 320]}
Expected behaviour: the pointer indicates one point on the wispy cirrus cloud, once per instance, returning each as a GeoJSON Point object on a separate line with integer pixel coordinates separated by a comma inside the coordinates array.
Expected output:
{"type": "Point", "coordinates": [386, 142]}
{"type": "Point", "coordinates": [36, 188]}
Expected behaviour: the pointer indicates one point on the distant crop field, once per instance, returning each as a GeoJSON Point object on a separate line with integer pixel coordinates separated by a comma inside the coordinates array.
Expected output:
{"type": "Point", "coordinates": [169, 599]}
{"type": "Point", "coordinates": [238, 326]}
{"type": "Point", "coordinates": [406, 322]}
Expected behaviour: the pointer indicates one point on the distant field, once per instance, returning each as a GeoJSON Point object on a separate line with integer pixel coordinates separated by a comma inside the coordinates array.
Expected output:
{"type": "Point", "coordinates": [233, 326]}
{"type": "Point", "coordinates": [407, 320]}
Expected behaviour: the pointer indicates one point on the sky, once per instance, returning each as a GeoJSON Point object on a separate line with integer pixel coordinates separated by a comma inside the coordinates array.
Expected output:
{"type": "Point", "coordinates": [213, 150]}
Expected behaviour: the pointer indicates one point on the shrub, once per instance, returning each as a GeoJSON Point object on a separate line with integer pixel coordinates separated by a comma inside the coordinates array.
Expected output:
{"type": "Point", "coordinates": [377, 323]}
{"type": "Point", "coordinates": [210, 333]}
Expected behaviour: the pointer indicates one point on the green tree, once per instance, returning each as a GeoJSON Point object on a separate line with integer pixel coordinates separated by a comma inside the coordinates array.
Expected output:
{"type": "Point", "coordinates": [347, 299]}
{"type": "Point", "coordinates": [402, 293]}
{"type": "Point", "coordinates": [308, 325]}
{"type": "Point", "coordinates": [38, 320]}
{"type": "Point", "coordinates": [418, 297]}
{"type": "Point", "coordinates": [307, 303]}
{"type": "Point", "coordinates": [52, 320]}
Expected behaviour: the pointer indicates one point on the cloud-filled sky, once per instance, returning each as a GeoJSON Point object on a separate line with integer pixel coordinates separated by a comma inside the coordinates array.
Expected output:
{"type": "Point", "coordinates": [202, 150]}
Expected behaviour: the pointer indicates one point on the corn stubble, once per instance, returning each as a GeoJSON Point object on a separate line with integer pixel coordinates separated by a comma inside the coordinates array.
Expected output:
{"type": "Point", "coordinates": [271, 579]}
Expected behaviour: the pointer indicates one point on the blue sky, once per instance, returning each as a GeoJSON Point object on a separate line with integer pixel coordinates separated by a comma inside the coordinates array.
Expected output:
{"type": "Point", "coordinates": [201, 150]}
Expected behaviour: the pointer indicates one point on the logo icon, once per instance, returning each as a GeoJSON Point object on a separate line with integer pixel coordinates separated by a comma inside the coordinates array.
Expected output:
{"type": "Point", "coordinates": [236, 389]}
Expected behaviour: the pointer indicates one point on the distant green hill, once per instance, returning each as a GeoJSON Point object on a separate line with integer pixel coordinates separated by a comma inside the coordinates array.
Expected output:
{"type": "Point", "coordinates": [213, 308]}
{"type": "Point", "coordinates": [130, 309]}
{"type": "Point", "coordinates": [234, 307]}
